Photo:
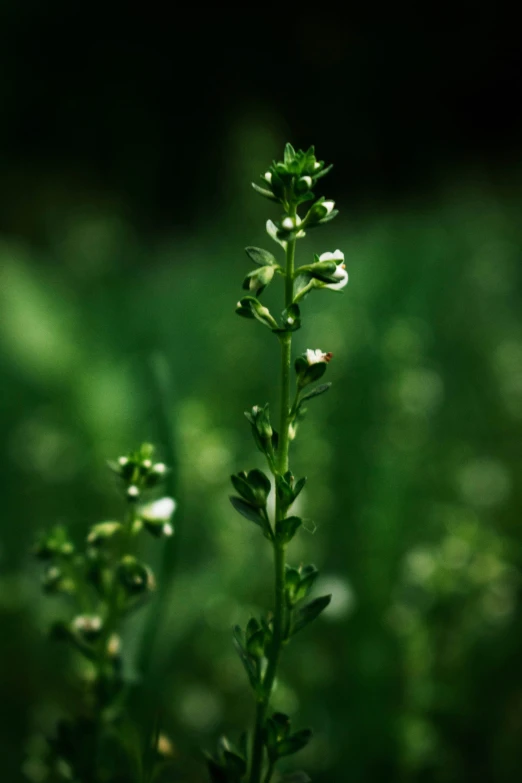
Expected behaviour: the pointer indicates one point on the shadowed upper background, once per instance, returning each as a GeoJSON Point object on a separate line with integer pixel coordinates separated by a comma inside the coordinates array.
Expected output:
{"type": "Point", "coordinates": [127, 144]}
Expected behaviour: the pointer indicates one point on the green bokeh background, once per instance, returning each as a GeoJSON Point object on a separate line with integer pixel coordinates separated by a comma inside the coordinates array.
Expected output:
{"type": "Point", "coordinates": [111, 267]}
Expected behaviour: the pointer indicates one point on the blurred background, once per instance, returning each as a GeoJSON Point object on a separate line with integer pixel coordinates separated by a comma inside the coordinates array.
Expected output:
{"type": "Point", "coordinates": [128, 143]}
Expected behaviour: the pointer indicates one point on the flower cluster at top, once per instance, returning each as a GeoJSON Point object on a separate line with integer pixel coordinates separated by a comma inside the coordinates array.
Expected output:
{"type": "Point", "coordinates": [289, 183]}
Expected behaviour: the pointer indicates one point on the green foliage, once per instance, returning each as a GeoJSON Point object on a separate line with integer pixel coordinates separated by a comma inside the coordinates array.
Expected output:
{"type": "Point", "coordinates": [106, 583]}
{"type": "Point", "coordinates": [411, 467]}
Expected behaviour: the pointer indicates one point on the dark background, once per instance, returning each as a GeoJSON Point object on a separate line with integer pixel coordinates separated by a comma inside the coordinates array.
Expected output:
{"type": "Point", "coordinates": [127, 144]}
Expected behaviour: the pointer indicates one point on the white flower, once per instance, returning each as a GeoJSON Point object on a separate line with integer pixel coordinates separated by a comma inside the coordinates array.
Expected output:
{"type": "Point", "coordinates": [314, 357]}
{"type": "Point", "coordinates": [308, 181]}
{"type": "Point", "coordinates": [133, 491]}
{"type": "Point", "coordinates": [337, 255]}
{"type": "Point", "coordinates": [288, 223]}
{"type": "Point", "coordinates": [341, 275]}
{"type": "Point", "coordinates": [158, 511]}
{"type": "Point", "coordinates": [147, 463]}
{"type": "Point", "coordinates": [122, 461]}
{"type": "Point", "coordinates": [271, 230]}
{"type": "Point", "coordinates": [328, 205]}
{"type": "Point", "coordinates": [268, 176]}
{"type": "Point", "coordinates": [317, 165]}
{"type": "Point", "coordinates": [87, 623]}
{"type": "Point", "coordinates": [160, 468]}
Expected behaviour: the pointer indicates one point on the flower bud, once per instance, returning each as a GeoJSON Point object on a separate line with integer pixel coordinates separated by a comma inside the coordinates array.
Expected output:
{"type": "Point", "coordinates": [102, 532]}
{"type": "Point", "coordinates": [314, 357]}
{"type": "Point", "coordinates": [87, 627]}
{"type": "Point", "coordinates": [135, 577]}
{"type": "Point", "coordinates": [257, 280]}
{"type": "Point", "coordinates": [320, 212]}
{"type": "Point", "coordinates": [311, 366]}
{"type": "Point", "coordinates": [156, 516]}
{"type": "Point", "coordinates": [250, 307]}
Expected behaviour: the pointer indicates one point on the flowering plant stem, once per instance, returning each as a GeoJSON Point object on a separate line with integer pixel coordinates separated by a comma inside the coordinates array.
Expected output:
{"type": "Point", "coordinates": [279, 547]}
{"type": "Point", "coordinates": [260, 644]}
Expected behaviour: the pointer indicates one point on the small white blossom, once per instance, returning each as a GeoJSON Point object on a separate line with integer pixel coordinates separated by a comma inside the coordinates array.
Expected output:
{"type": "Point", "coordinates": [133, 491]}
{"type": "Point", "coordinates": [290, 320]}
{"type": "Point", "coordinates": [288, 223]}
{"type": "Point", "coordinates": [341, 275]}
{"type": "Point", "coordinates": [87, 623]}
{"type": "Point", "coordinates": [159, 510]}
{"type": "Point", "coordinates": [314, 357]}
{"type": "Point", "coordinates": [307, 181]}
{"type": "Point", "coordinates": [271, 230]}
{"type": "Point", "coordinates": [317, 165]}
{"type": "Point", "coordinates": [268, 176]}
{"type": "Point", "coordinates": [329, 205]}
{"type": "Point", "coordinates": [160, 468]}
{"type": "Point", "coordinates": [113, 645]}
{"type": "Point", "coordinates": [167, 529]}
{"type": "Point", "coordinates": [122, 461]}
{"type": "Point", "coordinates": [147, 463]}
{"type": "Point", "coordinates": [337, 255]}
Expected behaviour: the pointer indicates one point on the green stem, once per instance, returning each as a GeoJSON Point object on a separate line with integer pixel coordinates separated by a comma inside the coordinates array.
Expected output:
{"type": "Point", "coordinates": [279, 548]}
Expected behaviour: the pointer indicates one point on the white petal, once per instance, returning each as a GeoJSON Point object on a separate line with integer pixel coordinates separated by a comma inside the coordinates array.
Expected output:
{"type": "Point", "coordinates": [314, 357]}
{"type": "Point", "coordinates": [268, 176]}
{"type": "Point", "coordinates": [159, 511]}
{"type": "Point", "coordinates": [271, 230]}
{"type": "Point", "coordinates": [338, 255]}
{"type": "Point", "coordinates": [340, 274]}
{"type": "Point", "coordinates": [329, 205]}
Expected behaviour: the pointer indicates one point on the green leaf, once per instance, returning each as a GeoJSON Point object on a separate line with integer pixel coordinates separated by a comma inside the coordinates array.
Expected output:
{"type": "Point", "coordinates": [308, 613]}
{"type": "Point", "coordinates": [291, 319]}
{"type": "Point", "coordinates": [259, 482]}
{"type": "Point", "coordinates": [308, 577]}
{"type": "Point", "coordinates": [282, 724]}
{"type": "Point", "coordinates": [287, 528]}
{"type": "Point", "coordinates": [301, 365]}
{"type": "Point", "coordinates": [260, 256]}
{"type": "Point", "coordinates": [243, 488]}
{"type": "Point", "coordinates": [263, 192]}
{"type": "Point", "coordinates": [250, 307]}
{"type": "Point", "coordinates": [252, 627]}
{"type": "Point", "coordinates": [285, 491]}
{"type": "Point", "coordinates": [249, 511]}
{"type": "Point", "coordinates": [313, 373]}
{"type": "Point", "coordinates": [289, 154]}
{"type": "Point", "coordinates": [315, 392]}
{"type": "Point", "coordinates": [294, 743]}
{"type": "Point", "coordinates": [299, 486]}
{"type": "Point", "coordinates": [256, 644]}
{"type": "Point", "coordinates": [247, 662]}
{"type": "Point", "coordinates": [323, 172]}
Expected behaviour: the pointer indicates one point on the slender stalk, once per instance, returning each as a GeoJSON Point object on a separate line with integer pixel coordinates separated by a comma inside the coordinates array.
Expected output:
{"type": "Point", "coordinates": [279, 548]}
